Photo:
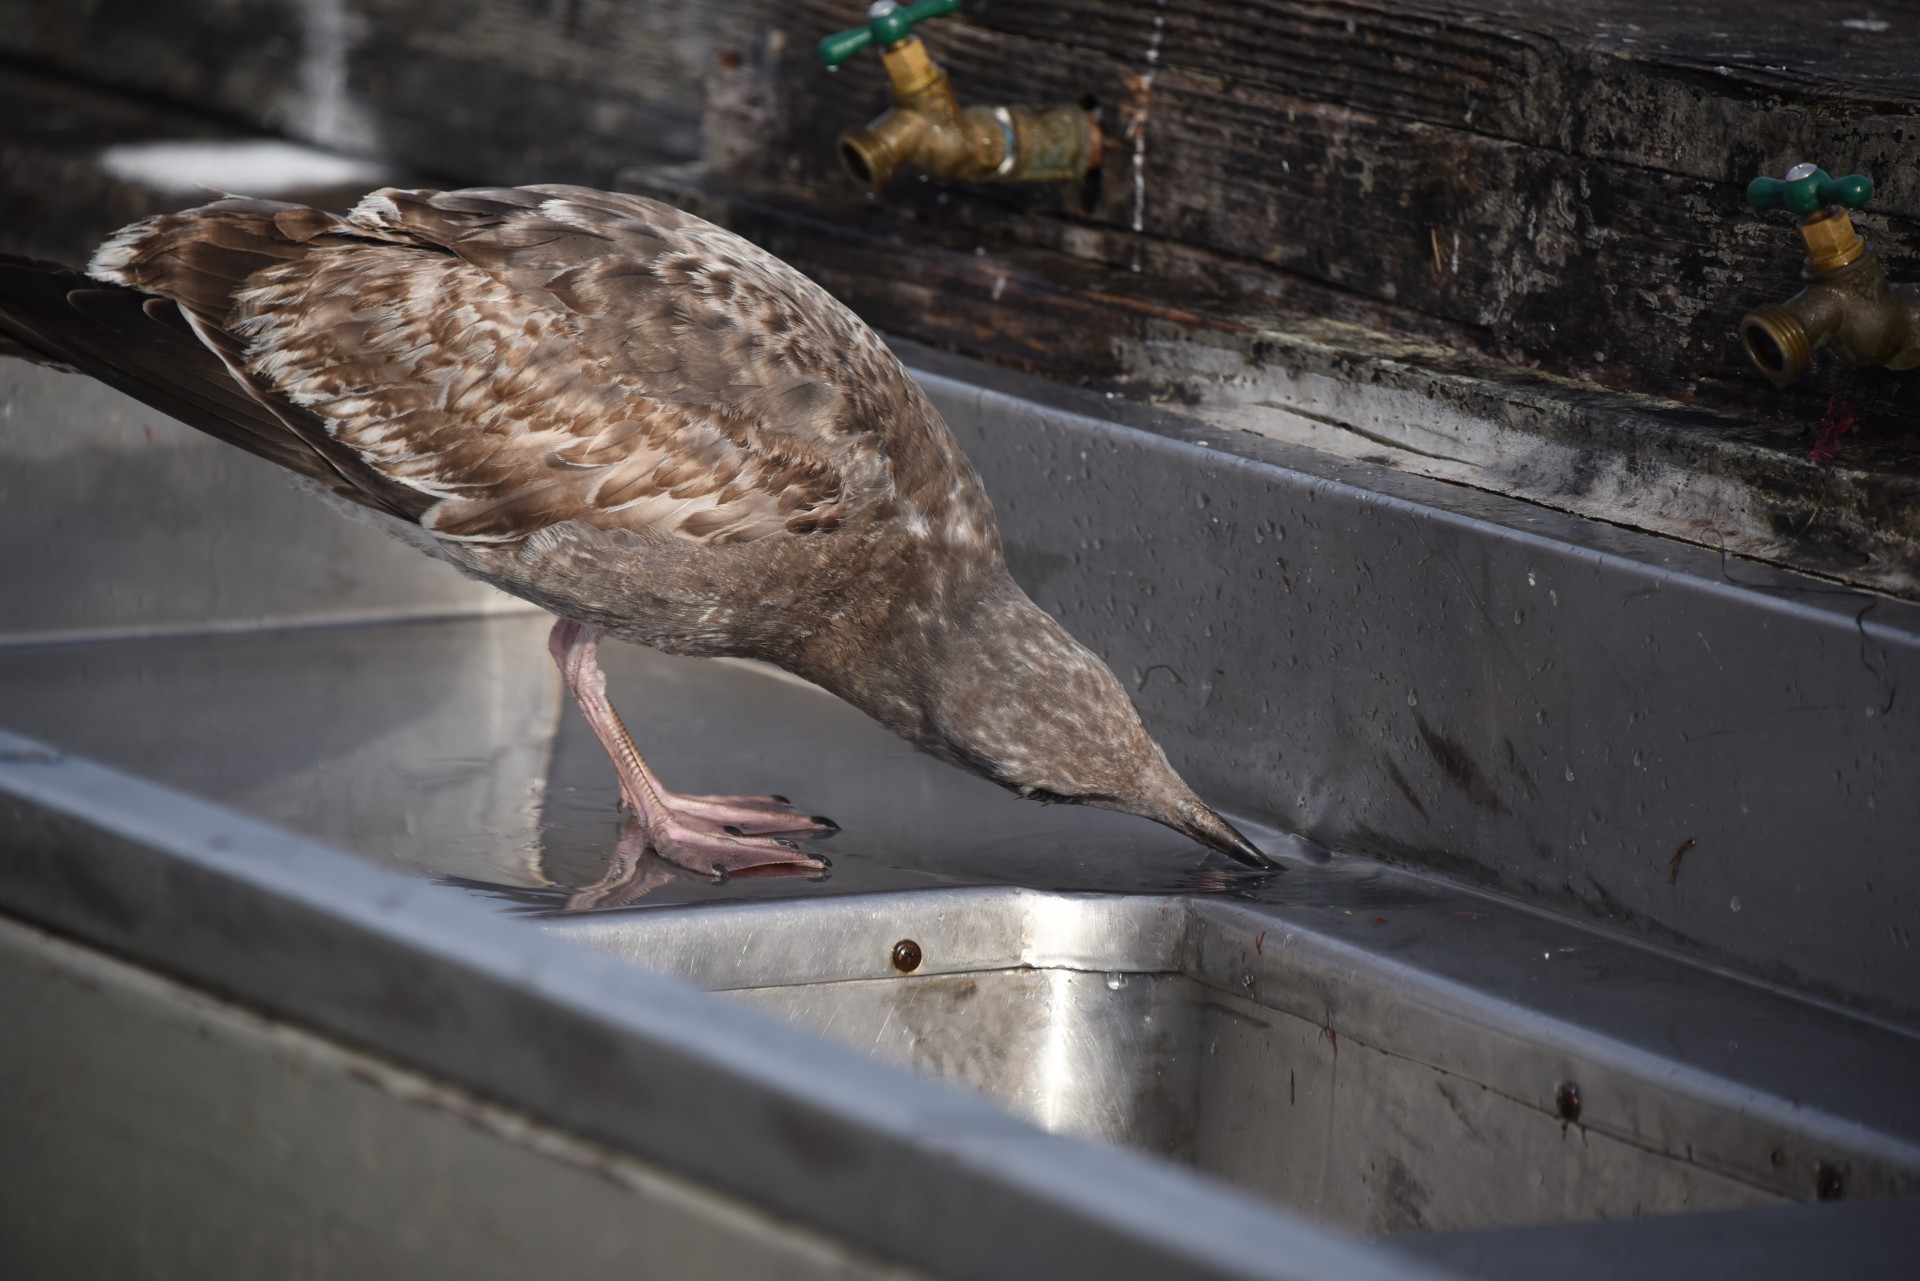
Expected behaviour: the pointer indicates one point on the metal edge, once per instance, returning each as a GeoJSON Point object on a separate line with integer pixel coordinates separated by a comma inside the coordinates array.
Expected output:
{"type": "Point", "coordinates": [1518, 1048]}
{"type": "Point", "coordinates": [1525, 1052]}
{"type": "Point", "coordinates": [1484, 511]}
{"type": "Point", "coordinates": [911, 1170]}
{"type": "Point", "coordinates": [958, 931]}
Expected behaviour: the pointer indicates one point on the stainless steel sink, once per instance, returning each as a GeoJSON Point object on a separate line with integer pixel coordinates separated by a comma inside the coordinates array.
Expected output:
{"type": "Point", "coordinates": [1668, 969]}
{"type": "Point", "coordinates": [1423, 1059]}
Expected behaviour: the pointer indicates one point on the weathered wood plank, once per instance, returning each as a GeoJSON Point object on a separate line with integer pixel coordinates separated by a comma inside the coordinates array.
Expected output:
{"type": "Point", "coordinates": [1735, 481]}
{"type": "Point", "coordinates": [1561, 184]}
{"type": "Point", "coordinates": [1630, 273]}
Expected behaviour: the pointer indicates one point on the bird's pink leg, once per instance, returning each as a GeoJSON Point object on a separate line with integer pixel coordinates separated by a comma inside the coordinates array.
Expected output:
{"type": "Point", "coordinates": [706, 833]}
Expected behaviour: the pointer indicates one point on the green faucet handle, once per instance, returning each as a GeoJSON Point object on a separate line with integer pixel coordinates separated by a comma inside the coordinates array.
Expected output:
{"type": "Point", "coordinates": [1807, 190]}
{"type": "Point", "coordinates": [887, 23]}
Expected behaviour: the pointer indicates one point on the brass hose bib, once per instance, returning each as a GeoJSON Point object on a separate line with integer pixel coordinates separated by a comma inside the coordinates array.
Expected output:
{"type": "Point", "coordinates": [928, 129]}
{"type": "Point", "coordinates": [1847, 305]}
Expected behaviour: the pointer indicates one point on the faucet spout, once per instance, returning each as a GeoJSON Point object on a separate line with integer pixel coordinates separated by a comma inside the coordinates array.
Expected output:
{"type": "Point", "coordinates": [1851, 310]}
{"type": "Point", "coordinates": [975, 144]}
{"type": "Point", "coordinates": [1848, 305]}
{"type": "Point", "coordinates": [928, 128]}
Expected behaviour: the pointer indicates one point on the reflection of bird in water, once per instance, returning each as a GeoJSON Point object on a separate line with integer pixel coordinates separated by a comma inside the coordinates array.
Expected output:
{"type": "Point", "coordinates": [637, 421]}
{"type": "Point", "coordinates": [634, 871]}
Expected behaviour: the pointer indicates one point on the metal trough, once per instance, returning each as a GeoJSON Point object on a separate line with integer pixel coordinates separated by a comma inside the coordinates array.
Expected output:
{"type": "Point", "coordinates": [1619, 925]}
{"type": "Point", "coordinates": [1364, 1065]}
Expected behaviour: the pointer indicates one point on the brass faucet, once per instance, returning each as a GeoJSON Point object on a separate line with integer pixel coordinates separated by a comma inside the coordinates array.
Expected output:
{"type": "Point", "coordinates": [927, 128]}
{"type": "Point", "coordinates": [1847, 303]}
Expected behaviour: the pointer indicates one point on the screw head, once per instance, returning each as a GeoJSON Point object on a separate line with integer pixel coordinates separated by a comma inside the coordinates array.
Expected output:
{"type": "Point", "coordinates": [906, 956]}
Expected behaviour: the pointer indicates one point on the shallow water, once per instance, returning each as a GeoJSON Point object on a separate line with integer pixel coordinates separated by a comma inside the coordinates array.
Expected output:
{"type": "Point", "coordinates": [448, 748]}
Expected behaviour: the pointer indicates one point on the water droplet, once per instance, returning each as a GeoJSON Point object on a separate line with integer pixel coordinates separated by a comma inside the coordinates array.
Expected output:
{"type": "Point", "coordinates": [1530, 581]}
{"type": "Point", "coordinates": [1413, 699]}
{"type": "Point", "coordinates": [1540, 717]}
{"type": "Point", "coordinates": [1115, 982]}
{"type": "Point", "coordinates": [1636, 759]}
{"type": "Point", "coordinates": [1569, 773]}
{"type": "Point", "coordinates": [1735, 904]}
{"type": "Point", "coordinates": [1518, 615]}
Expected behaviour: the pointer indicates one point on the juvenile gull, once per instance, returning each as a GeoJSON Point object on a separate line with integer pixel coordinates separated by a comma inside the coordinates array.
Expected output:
{"type": "Point", "coordinates": [641, 423]}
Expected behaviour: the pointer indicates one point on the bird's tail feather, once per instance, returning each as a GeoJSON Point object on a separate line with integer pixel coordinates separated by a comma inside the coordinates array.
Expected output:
{"type": "Point", "coordinates": [143, 346]}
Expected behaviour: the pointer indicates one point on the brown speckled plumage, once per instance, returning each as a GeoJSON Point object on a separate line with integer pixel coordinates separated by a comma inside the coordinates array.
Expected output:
{"type": "Point", "coordinates": [632, 418]}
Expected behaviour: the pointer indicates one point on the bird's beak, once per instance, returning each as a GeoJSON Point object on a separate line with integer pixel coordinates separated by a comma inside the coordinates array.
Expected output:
{"type": "Point", "coordinates": [1214, 832]}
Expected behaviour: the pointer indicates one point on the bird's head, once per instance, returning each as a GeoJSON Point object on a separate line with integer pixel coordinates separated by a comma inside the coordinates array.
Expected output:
{"type": "Point", "coordinates": [1013, 697]}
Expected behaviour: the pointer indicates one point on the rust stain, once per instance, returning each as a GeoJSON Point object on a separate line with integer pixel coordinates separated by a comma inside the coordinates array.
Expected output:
{"type": "Point", "coordinates": [1841, 418]}
{"type": "Point", "coordinates": [1259, 940]}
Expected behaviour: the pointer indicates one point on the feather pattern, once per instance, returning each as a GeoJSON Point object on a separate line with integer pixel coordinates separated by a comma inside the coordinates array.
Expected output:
{"type": "Point", "coordinates": [506, 360]}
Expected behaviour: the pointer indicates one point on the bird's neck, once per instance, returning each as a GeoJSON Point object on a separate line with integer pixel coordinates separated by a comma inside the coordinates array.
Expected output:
{"type": "Point", "coordinates": [965, 672]}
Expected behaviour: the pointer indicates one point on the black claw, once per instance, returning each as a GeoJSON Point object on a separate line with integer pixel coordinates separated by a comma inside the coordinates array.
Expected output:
{"type": "Point", "coordinates": [721, 875]}
{"type": "Point", "coordinates": [822, 860]}
{"type": "Point", "coordinates": [732, 830]}
{"type": "Point", "coordinates": [821, 820]}
{"type": "Point", "coordinates": [783, 800]}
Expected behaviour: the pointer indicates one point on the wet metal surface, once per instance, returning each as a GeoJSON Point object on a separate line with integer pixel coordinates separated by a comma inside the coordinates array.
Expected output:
{"type": "Point", "coordinates": [444, 747]}
{"type": "Point", "coordinates": [1375, 1046]}
{"type": "Point", "coordinates": [1709, 753]}
{"type": "Point", "coordinates": [1378, 1049]}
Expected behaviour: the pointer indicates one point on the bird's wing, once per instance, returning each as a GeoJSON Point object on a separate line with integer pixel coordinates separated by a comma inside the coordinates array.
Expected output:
{"type": "Point", "coordinates": [145, 346]}
{"type": "Point", "coordinates": [492, 362]}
